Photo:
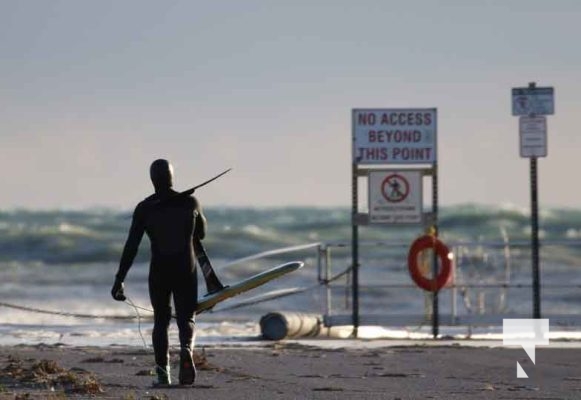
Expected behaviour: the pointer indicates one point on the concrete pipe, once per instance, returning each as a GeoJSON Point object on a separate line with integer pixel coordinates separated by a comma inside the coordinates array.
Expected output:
{"type": "Point", "coordinates": [286, 325]}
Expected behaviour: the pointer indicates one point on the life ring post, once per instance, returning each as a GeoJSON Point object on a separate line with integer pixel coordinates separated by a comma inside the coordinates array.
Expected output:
{"type": "Point", "coordinates": [421, 244]}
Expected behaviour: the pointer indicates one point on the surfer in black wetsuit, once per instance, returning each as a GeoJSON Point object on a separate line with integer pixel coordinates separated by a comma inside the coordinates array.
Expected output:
{"type": "Point", "coordinates": [171, 223]}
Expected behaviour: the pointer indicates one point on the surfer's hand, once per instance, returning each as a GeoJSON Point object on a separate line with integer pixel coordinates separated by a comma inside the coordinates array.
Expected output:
{"type": "Point", "coordinates": [118, 290]}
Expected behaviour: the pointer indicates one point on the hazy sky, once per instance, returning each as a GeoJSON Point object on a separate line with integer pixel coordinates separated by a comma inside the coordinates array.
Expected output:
{"type": "Point", "coordinates": [92, 91]}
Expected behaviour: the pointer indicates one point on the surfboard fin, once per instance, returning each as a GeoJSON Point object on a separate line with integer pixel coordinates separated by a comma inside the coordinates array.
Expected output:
{"type": "Point", "coordinates": [216, 290]}
{"type": "Point", "coordinates": [213, 284]}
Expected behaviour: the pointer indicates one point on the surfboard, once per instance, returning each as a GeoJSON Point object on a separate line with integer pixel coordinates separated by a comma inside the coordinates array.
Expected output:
{"type": "Point", "coordinates": [208, 301]}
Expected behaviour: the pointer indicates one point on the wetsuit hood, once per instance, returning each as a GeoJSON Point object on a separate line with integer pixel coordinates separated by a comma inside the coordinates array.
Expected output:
{"type": "Point", "coordinates": [161, 173]}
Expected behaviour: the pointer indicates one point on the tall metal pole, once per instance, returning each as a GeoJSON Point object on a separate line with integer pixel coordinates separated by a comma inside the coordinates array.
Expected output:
{"type": "Point", "coordinates": [535, 232]}
{"type": "Point", "coordinates": [355, 250]}
{"type": "Point", "coordinates": [535, 240]}
{"type": "Point", "coordinates": [435, 300]}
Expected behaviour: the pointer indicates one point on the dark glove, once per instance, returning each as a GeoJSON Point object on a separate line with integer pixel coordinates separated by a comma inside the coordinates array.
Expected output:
{"type": "Point", "coordinates": [118, 290]}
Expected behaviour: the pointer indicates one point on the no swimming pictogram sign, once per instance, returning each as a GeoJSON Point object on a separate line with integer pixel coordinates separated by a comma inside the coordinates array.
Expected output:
{"type": "Point", "coordinates": [395, 197]}
{"type": "Point", "coordinates": [395, 188]}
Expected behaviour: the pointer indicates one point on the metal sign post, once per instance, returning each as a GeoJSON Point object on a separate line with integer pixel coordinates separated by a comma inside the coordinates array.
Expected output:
{"type": "Point", "coordinates": [531, 104]}
{"type": "Point", "coordinates": [355, 250]}
{"type": "Point", "coordinates": [435, 299]}
{"type": "Point", "coordinates": [535, 240]}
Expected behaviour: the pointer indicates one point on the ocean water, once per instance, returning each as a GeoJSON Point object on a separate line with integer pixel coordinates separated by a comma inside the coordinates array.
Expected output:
{"type": "Point", "coordinates": [65, 261]}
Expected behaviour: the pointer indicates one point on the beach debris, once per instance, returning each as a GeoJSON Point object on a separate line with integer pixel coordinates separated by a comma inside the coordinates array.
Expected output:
{"type": "Point", "coordinates": [18, 375]}
{"type": "Point", "coordinates": [312, 376]}
{"type": "Point", "coordinates": [145, 372]}
{"type": "Point", "coordinates": [102, 360]}
{"type": "Point", "coordinates": [159, 397]}
{"type": "Point", "coordinates": [94, 360]}
{"type": "Point", "coordinates": [397, 375]}
{"type": "Point", "coordinates": [202, 363]}
{"type": "Point", "coordinates": [488, 386]}
{"type": "Point", "coordinates": [328, 389]}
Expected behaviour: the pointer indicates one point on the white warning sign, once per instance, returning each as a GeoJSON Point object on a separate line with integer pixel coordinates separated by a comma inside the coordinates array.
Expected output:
{"type": "Point", "coordinates": [394, 136]}
{"type": "Point", "coordinates": [533, 136]}
{"type": "Point", "coordinates": [395, 197]}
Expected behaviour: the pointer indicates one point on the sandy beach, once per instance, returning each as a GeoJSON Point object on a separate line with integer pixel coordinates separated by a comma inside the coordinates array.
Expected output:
{"type": "Point", "coordinates": [296, 370]}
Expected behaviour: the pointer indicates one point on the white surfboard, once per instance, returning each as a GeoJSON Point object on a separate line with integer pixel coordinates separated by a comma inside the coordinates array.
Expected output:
{"type": "Point", "coordinates": [208, 301]}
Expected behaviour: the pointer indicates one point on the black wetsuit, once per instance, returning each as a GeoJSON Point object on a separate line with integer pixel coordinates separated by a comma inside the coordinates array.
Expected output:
{"type": "Point", "coordinates": [171, 223]}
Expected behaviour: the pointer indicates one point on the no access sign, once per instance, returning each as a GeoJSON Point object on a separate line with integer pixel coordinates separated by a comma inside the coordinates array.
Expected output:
{"type": "Point", "coordinates": [394, 136]}
{"type": "Point", "coordinates": [395, 197]}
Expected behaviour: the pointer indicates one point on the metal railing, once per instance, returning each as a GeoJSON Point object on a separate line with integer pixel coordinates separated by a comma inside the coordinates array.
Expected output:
{"type": "Point", "coordinates": [331, 279]}
{"type": "Point", "coordinates": [457, 288]}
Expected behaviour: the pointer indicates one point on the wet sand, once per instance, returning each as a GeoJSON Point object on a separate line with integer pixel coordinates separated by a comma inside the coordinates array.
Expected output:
{"type": "Point", "coordinates": [295, 370]}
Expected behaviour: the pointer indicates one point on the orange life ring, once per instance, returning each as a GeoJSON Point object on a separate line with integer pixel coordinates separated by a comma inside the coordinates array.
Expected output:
{"type": "Point", "coordinates": [429, 242]}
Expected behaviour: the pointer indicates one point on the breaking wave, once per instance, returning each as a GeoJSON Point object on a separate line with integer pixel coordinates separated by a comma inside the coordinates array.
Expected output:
{"type": "Point", "coordinates": [80, 237]}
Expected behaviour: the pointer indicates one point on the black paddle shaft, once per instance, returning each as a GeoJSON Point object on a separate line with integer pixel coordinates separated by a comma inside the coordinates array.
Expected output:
{"type": "Point", "coordinates": [188, 192]}
{"type": "Point", "coordinates": [213, 284]}
{"type": "Point", "coordinates": [192, 190]}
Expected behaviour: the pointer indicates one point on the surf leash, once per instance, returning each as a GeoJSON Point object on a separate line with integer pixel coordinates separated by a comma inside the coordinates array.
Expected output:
{"type": "Point", "coordinates": [65, 314]}
{"type": "Point", "coordinates": [130, 302]}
